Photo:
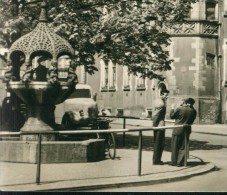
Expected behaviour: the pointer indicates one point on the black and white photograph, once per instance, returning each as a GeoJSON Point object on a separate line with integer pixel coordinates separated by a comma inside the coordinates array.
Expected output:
{"type": "Point", "coordinates": [113, 96]}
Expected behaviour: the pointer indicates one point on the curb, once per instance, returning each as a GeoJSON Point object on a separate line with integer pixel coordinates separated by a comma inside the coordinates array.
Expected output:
{"type": "Point", "coordinates": [136, 180]}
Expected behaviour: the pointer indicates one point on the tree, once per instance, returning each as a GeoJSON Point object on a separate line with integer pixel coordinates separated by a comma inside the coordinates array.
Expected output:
{"type": "Point", "coordinates": [131, 33]}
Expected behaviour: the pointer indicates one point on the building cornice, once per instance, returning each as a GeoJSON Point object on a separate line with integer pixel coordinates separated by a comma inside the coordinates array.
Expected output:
{"type": "Point", "coordinates": [195, 28]}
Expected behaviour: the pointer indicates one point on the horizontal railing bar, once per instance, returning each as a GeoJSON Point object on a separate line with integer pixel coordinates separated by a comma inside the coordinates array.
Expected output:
{"type": "Point", "coordinates": [132, 117]}
{"type": "Point", "coordinates": [9, 133]}
{"type": "Point", "coordinates": [125, 117]}
{"type": "Point", "coordinates": [2, 134]}
{"type": "Point", "coordinates": [120, 130]}
{"type": "Point", "coordinates": [38, 132]}
{"type": "Point", "coordinates": [92, 131]}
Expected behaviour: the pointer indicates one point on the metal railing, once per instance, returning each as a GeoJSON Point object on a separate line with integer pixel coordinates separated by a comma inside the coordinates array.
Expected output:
{"type": "Point", "coordinates": [131, 117]}
{"type": "Point", "coordinates": [124, 122]}
{"type": "Point", "coordinates": [140, 130]}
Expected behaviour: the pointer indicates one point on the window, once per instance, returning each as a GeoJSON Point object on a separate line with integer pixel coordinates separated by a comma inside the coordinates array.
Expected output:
{"type": "Point", "coordinates": [140, 83]}
{"type": "Point", "coordinates": [210, 60]}
{"type": "Point", "coordinates": [83, 75]}
{"type": "Point", "coordinates": [104, 75]}
{"type": "Point", "coordinates": [120, 112]}
{"type": "Point", "coordinates": [225, 8]}
{"type": "Point", "coordinates": [108, 76]}
{"type": "Point", "coordinates": [148, 112]}
{"type": "Point", "coordinates": [210, 10]}
{"type": "Point", "coordinates": [126, 79]}
{"type": "Point", "coordinates": [113, 76]}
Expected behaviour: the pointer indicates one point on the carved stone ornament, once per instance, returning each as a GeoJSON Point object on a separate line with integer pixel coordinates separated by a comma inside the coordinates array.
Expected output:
{"type": "Point", "coordinates": [42, 38]}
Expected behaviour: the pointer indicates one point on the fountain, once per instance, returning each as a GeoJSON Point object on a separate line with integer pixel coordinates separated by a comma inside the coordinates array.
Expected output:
{"type": "Point", "coordinates": [37, 83]}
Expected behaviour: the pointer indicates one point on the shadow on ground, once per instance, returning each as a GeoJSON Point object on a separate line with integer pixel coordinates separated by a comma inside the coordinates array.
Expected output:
{"type": "Point", "coordinates": [131, 142]}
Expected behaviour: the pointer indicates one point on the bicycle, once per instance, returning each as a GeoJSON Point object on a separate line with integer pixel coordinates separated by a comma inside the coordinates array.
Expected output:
{"type": "Point", "coordinates": [110, 144]}
{"type": "Point", "coordinates": [99, 123]}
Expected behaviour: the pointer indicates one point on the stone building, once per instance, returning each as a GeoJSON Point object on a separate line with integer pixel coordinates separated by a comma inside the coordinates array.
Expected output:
{"type": "Point", "coordinates": [199, 70]}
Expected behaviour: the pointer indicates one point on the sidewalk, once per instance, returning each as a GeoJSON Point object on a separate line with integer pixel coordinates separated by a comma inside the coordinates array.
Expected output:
{"type": "Point", "coordinates": [95, 175]}
{"type": "Point", "coordinates": [123, 171]}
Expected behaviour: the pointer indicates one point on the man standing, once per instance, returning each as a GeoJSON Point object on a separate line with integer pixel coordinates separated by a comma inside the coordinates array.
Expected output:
{"type": "Point", "coordinates": [183, 115]}
{"type": "Point", "coordinates": [158, 119]}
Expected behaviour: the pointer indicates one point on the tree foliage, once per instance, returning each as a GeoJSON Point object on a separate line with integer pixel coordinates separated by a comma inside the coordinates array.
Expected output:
{"type": "Point", "coordinates": [131, 33]}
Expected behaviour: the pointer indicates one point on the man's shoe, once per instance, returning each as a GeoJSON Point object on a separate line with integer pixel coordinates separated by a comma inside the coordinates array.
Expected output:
{"type": "Point", "coordinates": [158, 163]}
{"type": "Point", "coordinates": [171, 164]}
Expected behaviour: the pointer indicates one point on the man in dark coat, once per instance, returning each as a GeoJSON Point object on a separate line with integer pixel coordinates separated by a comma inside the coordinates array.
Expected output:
{"type": "Point", "coordinates": [158, 118]}
{"type": "Point", "coordinates": [183, 115]}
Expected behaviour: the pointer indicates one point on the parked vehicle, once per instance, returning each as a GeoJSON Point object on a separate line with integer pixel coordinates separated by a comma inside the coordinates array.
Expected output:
{"type": "Point", "coordinates": [80, 110]}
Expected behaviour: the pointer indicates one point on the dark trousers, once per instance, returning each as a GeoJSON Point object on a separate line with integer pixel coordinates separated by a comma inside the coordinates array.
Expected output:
{"type": "Point", "coordinates": [178, 149]}
{"type": "Point", "coordinates": [159, 144]}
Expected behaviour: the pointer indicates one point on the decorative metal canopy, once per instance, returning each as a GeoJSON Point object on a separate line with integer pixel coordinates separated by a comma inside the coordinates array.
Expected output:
{"type": "Point", "coordinates": [42, 38]}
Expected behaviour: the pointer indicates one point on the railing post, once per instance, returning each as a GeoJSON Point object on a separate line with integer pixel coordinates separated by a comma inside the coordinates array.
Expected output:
{"type": "Point", "coordinates": [185, 148]}
{"type": "Point", "coordinates": [124, 125]}
{"type": "Point", "coordinates": [140, 153]}
{"type": "Point", "coordinates": [38, 159]}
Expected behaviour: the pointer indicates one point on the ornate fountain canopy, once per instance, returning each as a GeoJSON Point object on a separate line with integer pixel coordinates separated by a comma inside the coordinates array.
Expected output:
{"type": "Point", "coordinates": [42, 38]}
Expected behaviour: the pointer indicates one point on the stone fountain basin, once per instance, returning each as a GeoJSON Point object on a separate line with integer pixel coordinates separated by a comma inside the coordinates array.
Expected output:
{"type": "Point", "coordinates": [37, 92]}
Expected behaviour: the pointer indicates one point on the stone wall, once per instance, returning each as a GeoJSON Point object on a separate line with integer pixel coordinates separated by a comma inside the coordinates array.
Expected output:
{"type": "Point", "coordinates": [53, 151]}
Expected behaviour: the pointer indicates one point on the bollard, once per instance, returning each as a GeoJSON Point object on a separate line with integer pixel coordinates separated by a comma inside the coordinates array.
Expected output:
{"type": "Point", "coordinates": [38, 159]}
{"type": "Point", "coordinates": [140, 153]}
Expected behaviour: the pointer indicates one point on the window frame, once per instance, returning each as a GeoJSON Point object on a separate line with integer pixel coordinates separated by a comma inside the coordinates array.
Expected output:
{"type": "Point", "coordinates": [207, 17]}
{"type": "Point", "coordinates": [210, 63]}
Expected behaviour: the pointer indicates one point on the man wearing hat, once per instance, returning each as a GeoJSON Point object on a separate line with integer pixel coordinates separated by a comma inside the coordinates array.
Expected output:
{"type": "Point", "coordinates": [183, 115]}
{"type": "Point", "coordinates": [158, 118]}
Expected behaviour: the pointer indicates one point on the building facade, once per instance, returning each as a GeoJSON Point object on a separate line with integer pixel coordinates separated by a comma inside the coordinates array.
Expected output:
{"type": "Point", "coordinates": [199, 70]}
